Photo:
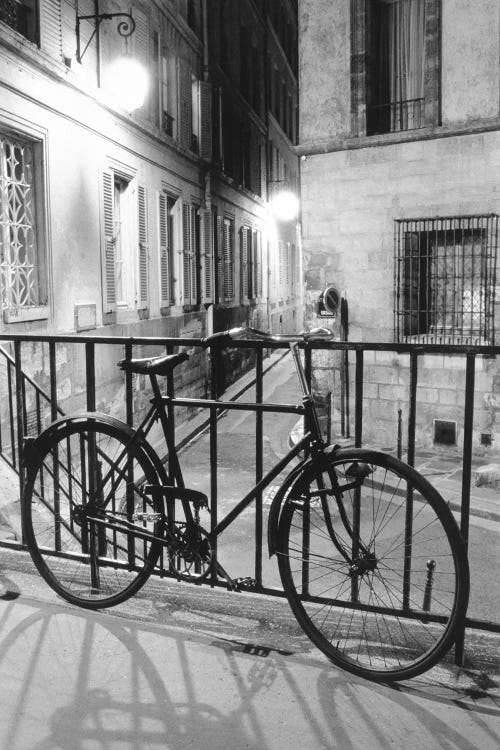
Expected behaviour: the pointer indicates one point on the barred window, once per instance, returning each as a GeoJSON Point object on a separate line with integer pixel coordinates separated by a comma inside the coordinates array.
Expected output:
{"type": "Point", "coordinates": [22, 269]}
{"type": "Point", "coordinates": [445, 279]}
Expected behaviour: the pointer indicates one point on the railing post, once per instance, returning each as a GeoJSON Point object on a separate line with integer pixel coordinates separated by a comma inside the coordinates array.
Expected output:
{"type": "Point", "coordinates": [213, 458]}
{"type": "Point", "coordinates": [20, 414]}
{"type": "Point", "coordinates": [259, 464]}
{"type": "Point", "coordinates": [412, 417]}
{"type": "Point", "coordinates": [358, 400]}
{"type": "Point", "coordinates": [129, 407]}
{"type": "Point", "coordinates": [470, 373]}
{"type": "Point", "coordinates": [90, 375]}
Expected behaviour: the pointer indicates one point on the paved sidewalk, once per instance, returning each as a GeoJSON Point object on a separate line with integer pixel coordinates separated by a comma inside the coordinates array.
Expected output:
{"type": "Point", "coordinates": [180, 667]}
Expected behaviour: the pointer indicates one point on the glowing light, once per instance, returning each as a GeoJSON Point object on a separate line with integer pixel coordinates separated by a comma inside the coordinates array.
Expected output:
{"type": "Point", "coordinates": [128, 81]}
{"type": "Point", "coordinates": [285, 205]}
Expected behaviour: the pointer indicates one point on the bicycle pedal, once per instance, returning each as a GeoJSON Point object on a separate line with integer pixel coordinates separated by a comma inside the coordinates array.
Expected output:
{"type": "Point", "coordinates": [147, 517]}
{"type": "Point", "coordinates": [244, 583]}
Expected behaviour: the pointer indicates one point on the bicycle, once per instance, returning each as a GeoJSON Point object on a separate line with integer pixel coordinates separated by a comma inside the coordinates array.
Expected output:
{"type": "Point", "coordinates": [370, 556]}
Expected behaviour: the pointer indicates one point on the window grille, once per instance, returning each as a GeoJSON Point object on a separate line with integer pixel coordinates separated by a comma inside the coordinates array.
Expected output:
{"type": "Point", "coordinates": [445, 277]}
{"type": "Point", "coordinates": [18, 237]}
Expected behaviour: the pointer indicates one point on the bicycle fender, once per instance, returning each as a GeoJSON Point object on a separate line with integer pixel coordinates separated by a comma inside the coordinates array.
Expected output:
{"type": "Point", "coordinates": [277, 504]}
{"type": "Point", "coordinates": [280, 497]}
{"type": "Point", "coordinates": [34, 447]}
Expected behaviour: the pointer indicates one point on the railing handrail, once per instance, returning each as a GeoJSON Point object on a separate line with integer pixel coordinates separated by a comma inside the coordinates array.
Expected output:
{"type": "Point", "coordinates": [399, 348]}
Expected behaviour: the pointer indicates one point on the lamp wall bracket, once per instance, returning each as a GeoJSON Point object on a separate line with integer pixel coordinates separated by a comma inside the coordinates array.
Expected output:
{"type": "Point", "coordinates": [125, 28]}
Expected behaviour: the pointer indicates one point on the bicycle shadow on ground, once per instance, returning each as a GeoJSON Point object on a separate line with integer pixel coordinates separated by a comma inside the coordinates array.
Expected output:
{"type": "Point", "coordinates": [89, 680]}
{"type": "Point", "coordinates": [82, 680]}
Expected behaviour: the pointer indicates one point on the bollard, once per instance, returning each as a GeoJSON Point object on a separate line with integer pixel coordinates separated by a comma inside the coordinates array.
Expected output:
{"type": "Point", "coordinates": [431, 566]}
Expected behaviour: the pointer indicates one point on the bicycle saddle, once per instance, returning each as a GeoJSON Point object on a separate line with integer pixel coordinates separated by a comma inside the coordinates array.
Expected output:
{"type": "Point", "coordinates": [153, 365]}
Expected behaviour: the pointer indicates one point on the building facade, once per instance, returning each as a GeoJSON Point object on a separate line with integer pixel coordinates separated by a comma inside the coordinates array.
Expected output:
{"type": "Point", "coordinates": [400, 149]}
{"type": "Point", "coordinates": [152, 221]}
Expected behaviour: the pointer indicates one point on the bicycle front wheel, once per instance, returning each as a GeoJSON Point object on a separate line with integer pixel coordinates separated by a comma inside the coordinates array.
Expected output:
{"type": "Point", "coordinates": [373, 564]}
{"type": "Point", "coordinates": [88, 524]}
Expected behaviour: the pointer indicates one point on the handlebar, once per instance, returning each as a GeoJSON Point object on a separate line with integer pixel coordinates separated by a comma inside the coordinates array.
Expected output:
{"type": "Point", "coordinates": [224, 338]}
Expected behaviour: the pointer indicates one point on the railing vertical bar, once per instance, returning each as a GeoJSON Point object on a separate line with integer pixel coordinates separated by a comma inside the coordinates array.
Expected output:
{"type": "Point", "coordinates": [470, 373]}
{"type": "Point", "coordinates": [55, 456]}
{"type": "Point", "coordinates": [358, 438]}
{"type": "Point", "coordinates": [412, 410]}
{"type": "Point", "coordinates": [129, 418]}
{"type": "Point", "coordinates": [20, 415]}
{"type": "Point", "coordinates": [90, 375]}
{"type": "Point", "coordinates": [11, 416]}
{"type": "Point", "coordinates": [308, 374]}
{"type": "Point", "coordinates": [129, 407]}
{"type": "Point", "coordinates": [214, 369]}
{"type": "Point", "coordinates": [412, 415]}
{"type": "Point", "coordinates": [53, 381]}
{"type": "Point", "coordinates": [259, 465]}
{"type": "Point", "coordinates": [358, 399]}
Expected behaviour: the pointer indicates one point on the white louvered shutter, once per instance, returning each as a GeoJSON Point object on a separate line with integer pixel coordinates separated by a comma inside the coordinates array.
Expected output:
{"type": "Point", "coordinates": [51, 28]}
{"type": "Point", "coordinates": [207, 256]}
{"type": "Point", "coordinates": [165, 281]}
{"type": "Point", "coordinates": [205, 92]}
{"type": "Point", "coordinates": [108, 244]}
{"type": "Point", "coordinates": [244, 262]}
{"type": "Point", "coordinates": [185, 113]}
{"type": "Point", "coordinates": [143, 248]}
{"type": "Point", "coordinates": [186, 252]}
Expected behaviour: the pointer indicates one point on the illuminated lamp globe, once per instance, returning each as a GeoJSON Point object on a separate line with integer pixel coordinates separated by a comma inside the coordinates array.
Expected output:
{"type": "Point", "coordinates": [129, 80]}
{"type": "Point", "coordinates": [285, 205]}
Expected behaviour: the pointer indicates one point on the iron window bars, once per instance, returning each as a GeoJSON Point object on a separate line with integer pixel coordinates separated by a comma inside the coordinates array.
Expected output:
{"type": "Point", "coordinates": [444, 279]}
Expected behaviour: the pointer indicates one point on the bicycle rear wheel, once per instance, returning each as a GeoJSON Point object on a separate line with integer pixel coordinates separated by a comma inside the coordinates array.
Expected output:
{"type": "Point", "coordinates": [373, 564]}
{"type": "Point", "coordinates": [85, 514]}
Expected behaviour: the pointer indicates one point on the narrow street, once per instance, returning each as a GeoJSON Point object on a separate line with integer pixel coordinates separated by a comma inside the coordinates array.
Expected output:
{"type": "Point", "coordinates": [236, 469]}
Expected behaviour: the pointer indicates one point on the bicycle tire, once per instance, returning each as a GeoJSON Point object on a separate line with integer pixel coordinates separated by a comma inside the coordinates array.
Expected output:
{"type": "Point", "coordinates": [90, 564]}
{"type": "Point", "coordinates": [391, 611]}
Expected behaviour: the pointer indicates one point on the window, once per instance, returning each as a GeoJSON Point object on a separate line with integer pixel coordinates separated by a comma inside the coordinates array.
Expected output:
{"type": "Point", "coordinates": [445, 279]}
{"type": "Point", "coordinates": [395, 65]}
{"type": "Point", "coordinates": [125, 243]}
{"type": "Point", "coordinates": [396, 98]}
{"type": "Point", "coordinates": [166, 205]}
{"type": "Point", "coordinates": [251, 263]}
{"type": "Point", "coordinates": [168, 105]}
{"type": "Point", "coordinates": [21, 15]}
{"type": "Point", "coordinates": [23, 282]}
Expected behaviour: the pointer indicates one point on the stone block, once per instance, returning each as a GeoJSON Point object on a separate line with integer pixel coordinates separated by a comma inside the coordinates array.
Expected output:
{"type": "Point", "coordinates": [487, 475]}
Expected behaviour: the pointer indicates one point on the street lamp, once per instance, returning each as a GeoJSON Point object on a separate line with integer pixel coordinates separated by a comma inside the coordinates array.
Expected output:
{"type": "Point", "coordinates": [284, 203]}
{"type": "Point", "coordinates": [129, 81]}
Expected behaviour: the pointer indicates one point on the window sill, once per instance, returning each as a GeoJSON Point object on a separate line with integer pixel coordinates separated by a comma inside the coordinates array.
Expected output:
{"type": "Point", "coordinates": [23, 314]}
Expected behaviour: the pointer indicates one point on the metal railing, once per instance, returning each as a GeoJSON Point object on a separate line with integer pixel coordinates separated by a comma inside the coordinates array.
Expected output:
{"type": "Point", "coordinates": [394, 117]}
{"type": "Point", "coordinates": [24, 397]}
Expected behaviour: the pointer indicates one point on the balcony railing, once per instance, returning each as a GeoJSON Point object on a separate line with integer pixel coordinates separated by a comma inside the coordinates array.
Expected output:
{"type": "Point", "coordinates": [75, 373]}
{"type": "Point", "coordinates": [395, 116]}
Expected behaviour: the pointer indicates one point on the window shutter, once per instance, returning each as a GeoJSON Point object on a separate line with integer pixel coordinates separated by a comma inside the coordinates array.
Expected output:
{"type": "Point", "coordinates": [207, 256]}
{"type": "Point", "coordinates": [164, 251]}
{"type": "Point", "coordinates": [244, 262]}
{"type": "Point", "coordinates": [140, 41]}
{"type": "Point", "coordinates": [205, 89]}
{"type": "Point", "coordinates": [108, 260]}
{"type": "Point", "coordinates": [51, 28]}
{"type": "Point", "coordinates": [142, 222]}
{"type": "Point", "coordinates": [228, 260]}
{"type": "Point", "coordinates": [193, 275]}
{"type": "Point", "coordinates": [258, 263]}
{"type": "Point", "coordinates": [186, 265]}
{"type": "Point", "coordinates": [185, 114]}
{"type": "Point", "coordinates": [219, 250]}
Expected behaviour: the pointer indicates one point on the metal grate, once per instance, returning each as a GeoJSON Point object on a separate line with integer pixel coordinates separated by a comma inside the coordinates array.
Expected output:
{"type": "Point", "coordinates": [445, 276]}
